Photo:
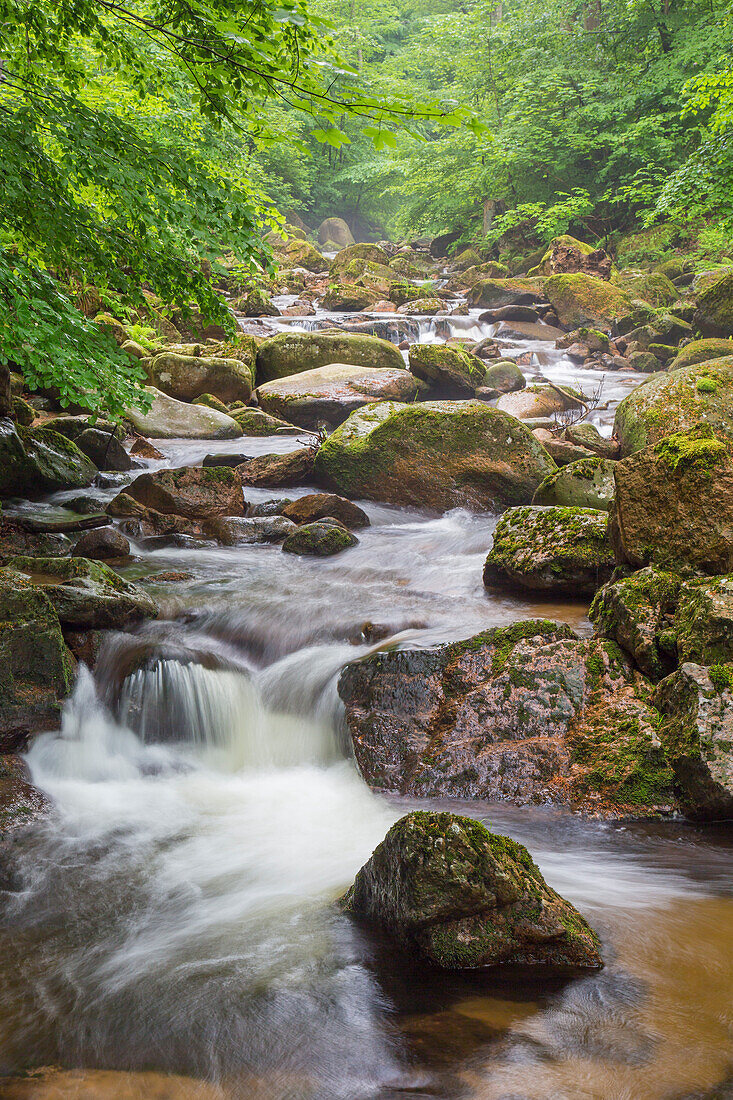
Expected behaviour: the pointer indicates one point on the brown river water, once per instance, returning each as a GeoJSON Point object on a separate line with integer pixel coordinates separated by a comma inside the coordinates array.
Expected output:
{"type": "Point", "coordinates": [175, 936]}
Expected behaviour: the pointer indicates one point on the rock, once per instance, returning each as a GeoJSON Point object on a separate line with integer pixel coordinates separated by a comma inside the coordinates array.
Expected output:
{"type": "Point", "coordinates": [561, 550]}
{"type": "Point", "coordinates": [145, 449]}
{"type": "Point", "coordinates": [83, 506]}
{"type": "Point", "coordinates": [674, 504]}
{"type": "Point", "coordinates": [702, 351]}
{"type": "Point", "coordinates": [714, 313]}
{"type": "Point", "coordinates": [349, 298]}
{"type": "Point", "coordinates": [584, 300]}
{"type": "Point", "coordinates": [437, 454]}
{"type": "Point", "coordinates": [675, 402]}
{"type": "Point", "coordinates": [235, 531]}
{"type": "Point", "coordinates": [22, 413]}
{"type": "Point", "coordinates": [172, 419]}
{"type": "Point", "coordinates": [491, 293]}
{"type": "Point", "coordinates": [697, 733]}
{"type": "Point", "coordinates": [587, 483]}
{"type": "Point", "coordinates": [649, 286]}
{"type": "Point", "coordinates": [104, 450]}
{"type": "Point", "coordinates": [328, 395]}
{"type": "Point", "coordinates": [35, 667]}
{"type": "Point", "coordinates": [355, 257]}
{"type": "Point", "coordinates": [533, 401]}
{"type": "Point", "coordinates": [139, 521]}
{"type": "Point", "coordinates": [317, 506]}
{"type": "Point", "coordinates": [504, 376]}
{"type": "Point", "coordinates": [194, 491]}
{"type": "Point", "coordinates": [590, 338]}
{"type": "Point", "coordinates": [464, 897]}
{"type": "Point", "coordinates": [104, 542]}
{"type": "Point", "coordinates": [210, 402]}
{"type": "Point", "coordinates": [276, 471]}
{"type": "Point", "coordinates": [703, 621]}
{"type": "Point", "coordinates": [36, 461]}
{"type": "Point", "coordinates": [134, 350]}
{"type": "Point", "coordinates": [425, 306]}
{"type": "Point", "coordinates": [20, 805]}
{"type": "Point", "coordinates": [255, 303]}
{"type": "Point", "coordinates": [15, 538]}
{"type": "Point", "coordinates": [509, 313]}
{"type": "Point", "coordinates": [321, 539]}
{"type": "Point", "coordinates": [113, 327]}
{"type": "Point", "coordinates": [562, 451]}
{"type": "Point", "coordinates": [525, 330]}
{"type": "Point", "coordinates": [451, 371]}
{"type": "Point", "coordinates": [637, 612]}
{"type": "Point", "coordinates": [106, 1084]}
{"type": "Point", "coordinates": [185, 378]}
{"type": "Point", "coordinates": [566, 254]}
{"type": "Point", "coordinates": [645, 362]}
{"type": "Point", "coordinates": [87, 594]}
{"type": "Point", "coordinates": [291, 353]}
{"type": "Point", "coordinates": [587, 435]}
{"type": "Point", "coordinates": [336, 230]}
{"type": "Point", "coordinates": [256, 422]}
{"type": "Point", "coordinates": [303, 254]}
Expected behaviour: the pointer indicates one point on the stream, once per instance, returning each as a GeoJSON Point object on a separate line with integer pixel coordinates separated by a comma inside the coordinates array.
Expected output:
{"type": "Point", "coordinates": [177, 907]}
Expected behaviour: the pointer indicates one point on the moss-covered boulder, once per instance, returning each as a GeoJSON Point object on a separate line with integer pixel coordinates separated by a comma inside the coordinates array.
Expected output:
{"type": "Point", "coordinates": [697, 735]}
{"type": "Point", "coordinates": [649, 286]}
{"type": "Point", "coordinates": [293, 352]}
{"type": "Point", "coordinates": [255, 303]}
{"type": "Point", "coordinates": [675, 402]}
{"type": "Point", "coordinates": [504, 377]}
{"type": "Point", "coordinates": [702, 351]}
{"type": "Point", "coordinates": [198, 492]}
{"type": "Point", "coordinates": [568, 254]}
{"type": "Point", "coordinates": [714, 313]}
{"type": "Point", "coordinates": [168, 418]}
{"type": "Point", "coordinates": [210, 402]}
{"type": "Point", "coordinates": [302, 254]}
{"type": "Point", "coordinates": [438, 454]}
{"type": "Point", "coordinates": [321, 539]}
{"type": "Point", "coordinates": [87, 594]}
{"type": "Point", "coordinates": [490, 293]}
{"type": "Point", "coordinates": [637, 612]}
{"type": "Point", "coordinates": [674, 504]}
{"type": "Point", "coordinates": [465, 897]}
{"type": "Point", "coordinates": [586, 483]}
{"type": "Point", "coordinates": [35, 666]}
{"type": "Point", "coordinates": [703, 622]}
{"type": "Point", "coordinates": [450, 371]}
{"type": "Point", "coordinates": [326, 396]}
{"type": "Point", "coordinates": [361, 254]}
{"type": "Point", "coordinates": [349, 298]}
{"type": "Point", "coordinates": [257, 422]}
{"type": "Point", "coordinates": [185, 378]}
{"type": "Point", "coordinates": [587, 435]}
{"type": "Point", "coordinates": [561, 550]}
{"type": "Point", "coordinates": [36, 461]}
{"type": "Point", "coordinates": [335, 230]}
{"type": "Point", "coordinates": [584, 300]}
{"type": "Point", "coordinates": [425, 305]}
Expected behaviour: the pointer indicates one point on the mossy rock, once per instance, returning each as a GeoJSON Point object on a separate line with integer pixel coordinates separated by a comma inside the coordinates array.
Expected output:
{"type": "Point", "coordinates": [702, 351]}
{"type": "Point", "coordinates": [186, 377]}
{"type": "Point", "coordinates": [674, 402]}
{"type": "Point", "coordinates": [714, 313]}
{"type": "Point", "coordinates": [303, 254]}
{"type": "Point", "coordinates": [650, 286]}
{"type": "Point", "coordinates": [36, 461]}
{"type": "Point", "coordinates": [436, 454]}
{"type": "Point", "coordinates": [321, 539]}
{"type": "Point", "coordinates": [504, 376]}
{"type": "Point", "coordinates": [210, 402]}
{"type": "Point", "coordinates": [561, 550]}
{"type": "Point", "coordinates": [545, 267]}
{"type": "Point", "coordinates": [168, 418]}
{"type": "Point", "coordinates": [491, 293]}
{"type": "Point", "coordinates": [256, 422]}
{"type": "Point", "coordinates": [197, 492]}
{"type": "Point", "coordinates": [637, 612]}
{"type": "Point", "coordinates": [466, 898]}
{"type": "Point", "coordinates": [580, 299]}
{"type": "Point", "coordinates": [359, 254]}
{"type": "Point", "coordinates": [349, 298]}
{"type": "Point", "coordinates": [451, 371]}
{"type": "Point", "coordinates": [293, 352]}
{"type": "Point", "coordinates": [587, 483]}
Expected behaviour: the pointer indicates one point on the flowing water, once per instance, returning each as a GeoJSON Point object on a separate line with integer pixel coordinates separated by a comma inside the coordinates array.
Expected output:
{"type": "Point", "coordinates": [176, 911]}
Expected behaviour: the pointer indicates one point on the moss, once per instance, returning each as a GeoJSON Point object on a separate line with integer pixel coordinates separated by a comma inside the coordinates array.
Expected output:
{"type": "Point", "coordinates": [506, 638]}
{"type": "Point", "coordinates": [721, 676]}
{"type": "Point", "coordinates": [699, 449]}
{"type": "Point", "coordinates": [706, 385]}
{"type": "Point", "coordinates": [581, 299]}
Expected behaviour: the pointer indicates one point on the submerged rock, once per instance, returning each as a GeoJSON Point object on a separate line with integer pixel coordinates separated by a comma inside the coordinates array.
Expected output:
{"type": "Point", "coordinates": [293, 352]}
{"type": "Point", "coordinates": [465, 897]}
{"type": "Point", "coordinates": [585, 483]}
{"type": "Point", "coordinates": [321, 539]}
{"type": "Point", "coordinates": [436, 454]}
{"type": "Point", "coordinates": [198, 492]}
{"type": "Point", "coordinates": [87, 594]}
{"type": "Point", "coordinates": [328, 395]}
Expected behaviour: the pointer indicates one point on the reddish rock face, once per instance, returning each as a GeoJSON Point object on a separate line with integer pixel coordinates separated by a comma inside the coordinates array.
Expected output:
{"type": "Point", "coordinates": [278, 470]}
{"type": "Point", "coordinates": [319, 505]}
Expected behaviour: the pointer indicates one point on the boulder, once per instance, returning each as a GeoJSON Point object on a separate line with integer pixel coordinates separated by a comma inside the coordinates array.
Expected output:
{"type": "Point", "coordinates": [172, 419]}
{"type": "Point", "coordinates": [328, 395]}
{"type": "Point", "coordinates": [335, 230]}
{"type": "Point", "coordinates": [464, 897]}
{"type": "Point", "coordinates": [275, 471]}
{"type": "Point", "coordinates": [538, 401]}
{"type": "Point", "coordinates": [584, 300]}
{"type": "Point", "coordinates": [349, 298]}
{"type": "Point", "coordinates": [504, 376]}
{"type": "Point", "coordinates": [702, 351]}
{"type": "Point", "coordinates": [648, 286]}
{"type": "Point", "coordinates": [637, 612]}
{"type": "Point", "coordinates": [703, 621]}
{"type": "Point", "coordinates": [210, 402]}
{"type": "Point", "coordinates": [102, 543]}
{"type": "Point", "coordinates": [186, 377]}
{"type": "Point", "coordinates": [509, 313]}
{"type": "Point", "coordinates": [303, 254]}
{"type": "Point", "coordinates": [87, 594]}
{"type": "Point", "coordinates": [565, 551]}
{"type": "Point", "coordinates": [256, 422]}
{"type": "Point", "coordinates": [437, 454]}
{"type": "Point", "coordinates": [321, 539]}
{"type": "Point", "coordinates": [675, 402]}
{"type": "Point", "coordinates": [139, 521]}
{"type": "Point", "coordinates": [36, 461]}
{"type": "Point", "coordinates": [423, 307]}
{"type": "Point", "coordinates": [714, 313]}
{"type": "Point", "coordinates": [526, 330]}
{"type": "Point", "coordinates": [35, 666]}
{"type": "Point", "coordinates": [587, 435]}
{"type": "Point", "coordinates": [674, 504]}
{"type": "Point", "coordinates": [530, 713]}
{"type": "Point", "coordinates": [697, 733]}
{"type": "Point", "coordinates": [566, 254]}
{"type": "Point", "coordinates": [451, 371]}
{"type": "Point", "coordinates": [291, 353]}
{"type": "Point", "coordinates": [236, 531]}
{"type": "Point", "coordinates": [104, 450]}
{"type": "Point", "coordinates": [354, 258]}
{"type": "Point", "coordinates": [317, 506]}
{"type": "Point", "coordinates": [197, 492]}
{"type": "Point", "coordinates": [491, 293]}
{"type": "Point", "coordinates": [255, 303]}
{"type": "Point", "coordinates": [587, 483]}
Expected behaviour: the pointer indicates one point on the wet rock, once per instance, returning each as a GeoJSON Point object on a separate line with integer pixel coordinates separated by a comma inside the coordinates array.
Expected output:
{"type": "Point", "coordinates": [171, 419]}
{"type": "Point", "coordinates": [526, 330]}
{"type": "Point", "coordinates": [535, 401]}
{"type": "Point", "coordinates": [237, 531]}
{"type": "Point", "coordinates": [290, 353]}
{"type": "Point", "coordinates": [674, 402]}
{"type": "Point", "coordinates": [269, 507]}
{"type": "Point", "coordinates": [320, 539]}
{"type": "Point", "coordinates": [104, 450]}
{"type": "Point", "coordinates": [186, 377]}
{"type": "Point", "coordinates": [425, 306]}
{"type": "Point", "coordinates": [197, 492]}
{"type": "Point", "coordinates": [465, 897]}
{"type": "Point", "coordinates": [697, 734]}
{"type": "Point", "coordinates": [36, 461]}
{"type": "Point", "coordinates": [509, 313]}
{"type": "Point", "coordinates": [561, 550]}
{"type": "Point", "coordinates": [275, 471]}
{"type": "Point", "coordinates": [328, 395]}
{"type": "Point", "coordinates": [138, 521]}
{"type": "Point", "coordinates": [256, 422]}
{"type": "Point", "coordinates": [349, 298]}
{"type": "Point", "coordinates": [451, 371]}
{"type": "Point", "coordinates": [504, 377]}
{"type": "Point", "coordinates": [87, 594]}
{"type": "Point", "coordinates": [587, 483]}
{"type": "Point", "coordinates": [584, 300]}
{"type": "Point", "coordinates": [143, 448]}
{"type": "Point", "coordinates": [15, 538]}
{"type": "Point", "coordinates": [702, 351]}
{"type": "Point", "coordinates": [83, 506]}
{"type": "Point", "coordinates": [437, 454]}
{"type": "Point", "coordinates": [35, 666]}
{"type": "Point", "coordinates": [587, 435]}
{"type": "Point", "coordinates": [104, 542]}
{"type": "Point", "coordinates": [674, 504]}
{"type": "Point", "coordinates": [638, 613]}
{"type": "Point", "coordinates": [20, 804]}
{"type": "Point", "coordinates": [714, 313]}
{"type": "Point", "coordinates": [529, 713]}
{"type": "Point", "coordinates": [319, 505]}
